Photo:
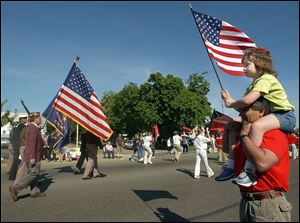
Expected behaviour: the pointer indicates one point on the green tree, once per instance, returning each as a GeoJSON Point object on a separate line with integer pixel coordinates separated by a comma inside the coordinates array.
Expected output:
{"type": "Point", "coordinates": [5, 117]}
{"type": "Point", "coordinates": [166, 101]}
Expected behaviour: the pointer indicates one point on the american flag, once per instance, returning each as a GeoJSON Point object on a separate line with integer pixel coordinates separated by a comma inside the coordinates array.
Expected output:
{"type": "Point", "coordinates": [225, 43]}
{"type": "Point", "coordinates": [77, 100]}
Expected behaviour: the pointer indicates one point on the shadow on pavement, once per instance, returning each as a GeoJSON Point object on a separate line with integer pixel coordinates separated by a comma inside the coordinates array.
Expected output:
{"type": "Point", "coordinates": [45, 182]}
{"type": "Point", "coordinates": [166, 215]}
{"type": "Point", "coordinates": [170, 160]}
{"type": "Point", "coordinates": [148, 195]}
{"type": "Point", "coordinates": [187, 172]}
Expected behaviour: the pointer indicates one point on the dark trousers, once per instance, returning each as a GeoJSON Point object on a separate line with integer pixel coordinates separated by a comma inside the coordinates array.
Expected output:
{"type": "Point", "coordinates": [110, 154]}
{"type": "Point", "coordinates": [80, 161]}
{"type": "Point", "coordinates": [185, 148]}
{"type": "Point", "coordinates": [14, 166]}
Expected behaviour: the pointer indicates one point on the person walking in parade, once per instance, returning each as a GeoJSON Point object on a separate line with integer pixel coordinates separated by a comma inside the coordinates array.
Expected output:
{"type": "Point", "coordinates": [32, 156]}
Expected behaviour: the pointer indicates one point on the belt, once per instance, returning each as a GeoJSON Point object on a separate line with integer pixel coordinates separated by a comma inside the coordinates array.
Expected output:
{"type": "Point", "coordinates": [261, 195]}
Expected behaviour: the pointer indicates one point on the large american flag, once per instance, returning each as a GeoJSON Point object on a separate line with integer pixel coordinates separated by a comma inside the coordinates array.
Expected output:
{"type": "Point", "coordinates": [77, 100]}
{"type": "Point", "coordinates": [225, 43]}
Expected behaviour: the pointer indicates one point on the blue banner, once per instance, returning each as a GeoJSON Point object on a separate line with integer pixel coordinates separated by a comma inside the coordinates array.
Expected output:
{"type": "Point", "coordinates": [61, 124]}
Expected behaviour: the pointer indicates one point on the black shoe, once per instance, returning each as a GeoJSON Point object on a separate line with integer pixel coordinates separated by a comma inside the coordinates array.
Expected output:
{"type": "Point", "coordinates": [102, 175]}
{"type": "Point", "coordinates": [87, 178]}
{"type": "Point", "coordinates": [226, 174]}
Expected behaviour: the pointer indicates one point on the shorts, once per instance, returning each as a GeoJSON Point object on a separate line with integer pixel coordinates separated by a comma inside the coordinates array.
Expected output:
{"type": "Point", "coordinates": [287, 120]}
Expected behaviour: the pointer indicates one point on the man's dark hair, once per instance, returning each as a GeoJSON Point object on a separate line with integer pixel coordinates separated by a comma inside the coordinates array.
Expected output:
{"type": "Point", "coordinates": [261, 104]}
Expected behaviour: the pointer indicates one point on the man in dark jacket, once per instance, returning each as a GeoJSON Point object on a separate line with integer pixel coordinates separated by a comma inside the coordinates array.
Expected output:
{"type": "Point", "coordinates": [16, 143]}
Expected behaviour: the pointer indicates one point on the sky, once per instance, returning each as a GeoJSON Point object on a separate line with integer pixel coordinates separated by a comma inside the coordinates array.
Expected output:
{"type": "Point", "coordinates": [121, 42]}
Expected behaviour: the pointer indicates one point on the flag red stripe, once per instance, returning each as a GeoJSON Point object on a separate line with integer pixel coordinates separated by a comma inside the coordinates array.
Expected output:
{"type": "Point", "coordinates": [238, 56]}
{"type": "Point", "coordinates": [230, 28]}
{"type": "Point", "coordinates": [236, 38]}
{"type": "Point", "coordinates": [82, 123]}
{"type": "Point", "coordinates": [96, 103]}
{"type": "Point", "coordinates": [84, 114]}
{"type": "Point", "coordinates": [227, 62]}
{"type": "Point", "coordinates": [233, 47]}
{"type": "Point", "coordinates": [231, 72]}
{"type": "Point", "coordinates": [93, 111]}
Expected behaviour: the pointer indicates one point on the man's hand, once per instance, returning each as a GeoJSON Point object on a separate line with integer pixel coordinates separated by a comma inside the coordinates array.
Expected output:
{"type": "Point", "coordinates": [245, 130]}
{"type": "Point", "coordinates": [11, 149]}
{"type": "Point", "coordinates": [32, 161]}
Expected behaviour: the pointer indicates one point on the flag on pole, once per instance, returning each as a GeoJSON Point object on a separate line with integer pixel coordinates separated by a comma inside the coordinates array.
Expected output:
{"type": "Point", "coordinates": [225, 43]}
{"type": "Point", "coordinates": [61, 123]}
{"type": "Point", "coordinates": [77, 100]}
{"type": "Point", "coordinates": [218, 121]}
{"type": "Point", "coordinates": [155, 131]}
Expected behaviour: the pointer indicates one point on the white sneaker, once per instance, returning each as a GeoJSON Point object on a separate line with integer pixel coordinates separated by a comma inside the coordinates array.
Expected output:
{"type": "Point", "coordinates": [210, 175]}
{"type": "Point", "coordinates": [141, 159]}
{"type": "Point", "coordinates": [196, 177]}
{"type": "Point", "coordinates": [149, 162]}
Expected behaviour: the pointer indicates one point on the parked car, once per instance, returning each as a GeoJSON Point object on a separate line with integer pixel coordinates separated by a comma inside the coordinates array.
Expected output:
{"type": "Point", "coordinates": [74, 152]}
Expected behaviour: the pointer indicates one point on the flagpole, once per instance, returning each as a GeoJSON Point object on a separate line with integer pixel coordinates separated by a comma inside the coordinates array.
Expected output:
{"type": "Point", "coordinates": [206, 49]}
{"type": "Point", "coordinates": [77, 126]}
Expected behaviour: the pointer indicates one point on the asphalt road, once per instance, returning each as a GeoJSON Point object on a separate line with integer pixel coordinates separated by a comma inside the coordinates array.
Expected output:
{"type": "Point", "coordinates": [164, 191]}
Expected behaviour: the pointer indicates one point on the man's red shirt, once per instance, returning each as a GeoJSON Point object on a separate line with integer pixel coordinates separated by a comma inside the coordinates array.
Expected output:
{"type": "Point", "coordinates": [277, 177]}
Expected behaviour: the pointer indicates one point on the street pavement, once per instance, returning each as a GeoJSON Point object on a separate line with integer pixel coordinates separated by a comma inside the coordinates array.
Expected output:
{"type": "Point", "coordinates": [132, 192]}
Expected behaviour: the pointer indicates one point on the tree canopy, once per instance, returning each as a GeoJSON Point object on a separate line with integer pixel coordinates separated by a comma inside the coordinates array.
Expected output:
{"type": "Point", "coordinates": [167, 101]}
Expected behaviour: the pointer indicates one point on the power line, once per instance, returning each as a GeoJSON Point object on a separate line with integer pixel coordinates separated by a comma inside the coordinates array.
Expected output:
{"type": "Point", "coordinates": [258, 36]}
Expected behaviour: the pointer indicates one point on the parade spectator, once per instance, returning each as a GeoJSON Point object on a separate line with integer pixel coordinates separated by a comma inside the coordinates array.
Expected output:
{"type": "Point", "coordinates": [120, 144]}
{"type": "Point", "coordinates": [141, 148]}
{"type": "Point", "coordinates": [16, 143]}
{"type": "Point", "coordinates": [153, 145]}
{"type": "Point", "coordinates": [257, 64]}
{"type": "Point", "coordinates": [32, 156]}
{"type": "Point", "coordinates": [45, 151]}
{"type": "Point", "coordinates": [147, 149]}
{"type": "Point", "coordinates": [185, 144]}
{"type": "Point", "coordinates": [213, 143]}
{"type": "Point", "coordinates": [177, 146]}
{"type": "Point", "coordinates": [136, 140]}
{"type": "Point", "coordinates": [200, 144]}
{"type": "Point", "coordinates": [222, 156]}
{"type": "Point", "coordinates": [109, 150]}
{"type": "Point", "coordinates": [264, 201]}
{"type": "Point", "coordinates": [293, 139]}
{"type": "Point", "coordinates": [169, 145]}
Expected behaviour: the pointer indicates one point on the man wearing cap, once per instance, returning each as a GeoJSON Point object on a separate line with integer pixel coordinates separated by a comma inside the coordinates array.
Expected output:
{"type": "Point", "coordinates": [31, 159]}
{"type": "Point", "coordinates": [16, 143]}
